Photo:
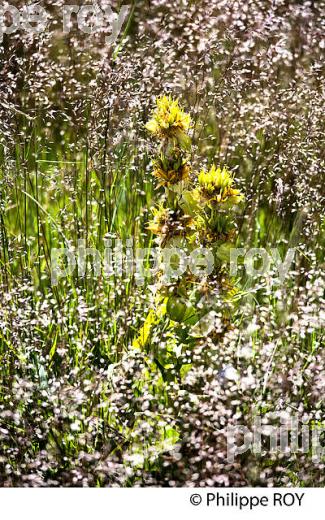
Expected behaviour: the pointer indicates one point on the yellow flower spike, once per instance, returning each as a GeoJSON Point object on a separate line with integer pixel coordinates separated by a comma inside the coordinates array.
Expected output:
{"type": "Point", "coordinates": [168, 224]}
{"type": "Point", "coordinates": [160, 221]}
{"type": "Point", "coordinates": [171, 172]}
{"type": "Point", "coordinates": [169, 120]}
{"type": "Point", "coordinates": [216, 184]}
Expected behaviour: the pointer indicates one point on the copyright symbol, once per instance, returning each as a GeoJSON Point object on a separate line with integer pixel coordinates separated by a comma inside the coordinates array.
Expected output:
{"type": "Point", "coordinates": [196, 499]}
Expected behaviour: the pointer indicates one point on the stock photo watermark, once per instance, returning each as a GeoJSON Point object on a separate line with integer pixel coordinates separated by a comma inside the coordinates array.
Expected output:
{"type": "Point", "coordinates": [126, 260]}
{"type": "Point", "coordinates": [123, 259]}
{"type": "Point", "coordinates": [89, 18]}
{"type": "Point", "coordinates": [287, 438]}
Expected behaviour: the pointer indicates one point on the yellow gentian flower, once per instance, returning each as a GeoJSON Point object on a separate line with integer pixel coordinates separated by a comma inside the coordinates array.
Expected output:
{"type": "Point", "coordinates": [170, 121]}
{"type": "Point", "coordinates": [216, 185]}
